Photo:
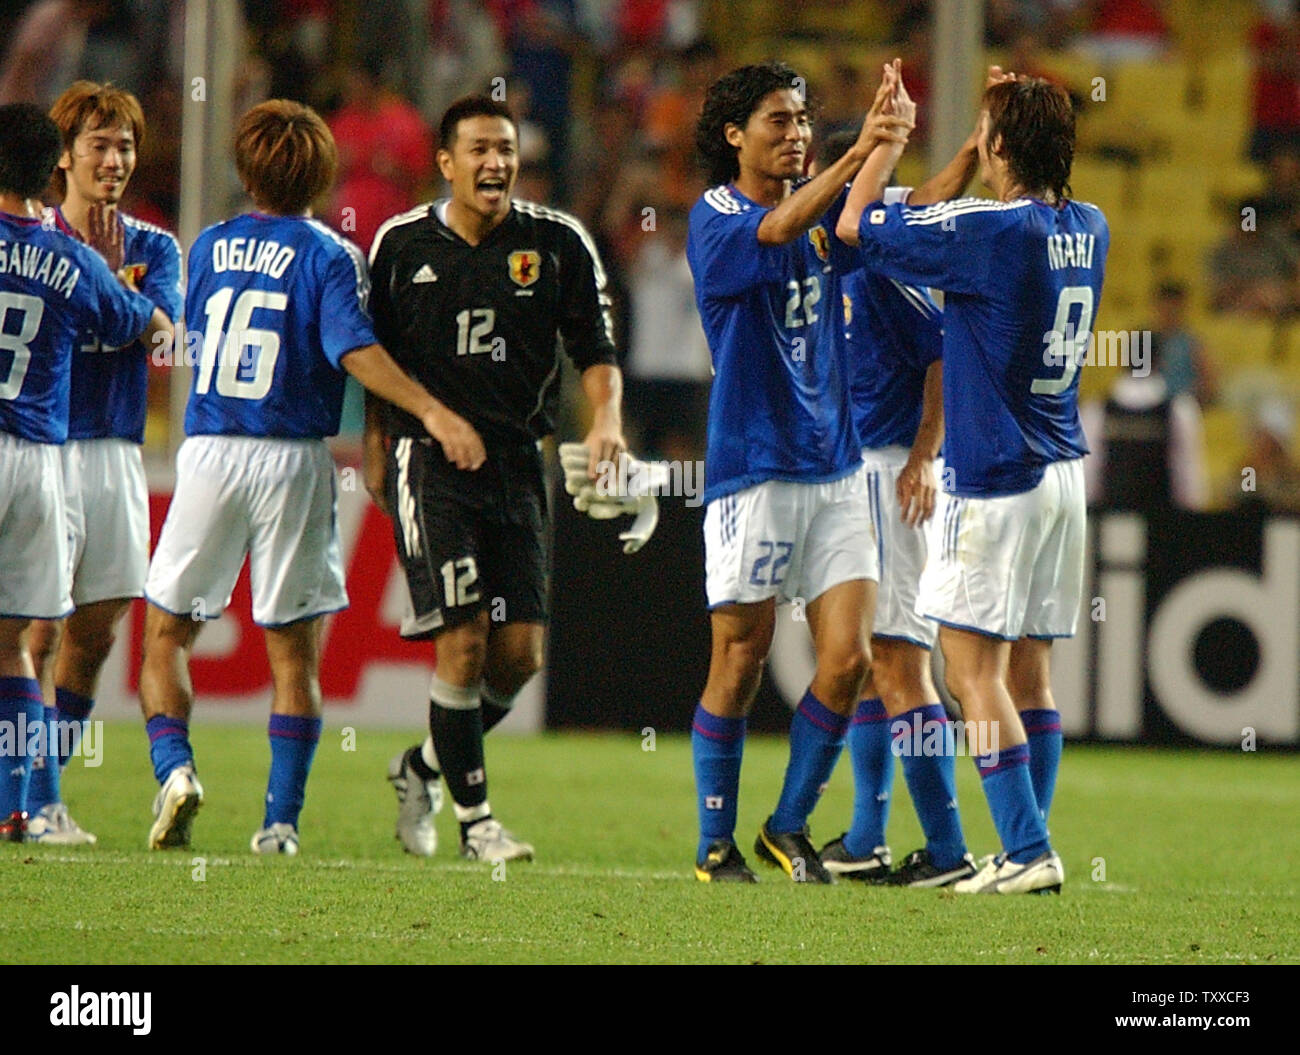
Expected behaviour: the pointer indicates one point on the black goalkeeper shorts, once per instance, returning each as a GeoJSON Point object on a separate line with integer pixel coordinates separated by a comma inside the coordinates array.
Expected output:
{"type": "Point", "coordinates": [469, 541]}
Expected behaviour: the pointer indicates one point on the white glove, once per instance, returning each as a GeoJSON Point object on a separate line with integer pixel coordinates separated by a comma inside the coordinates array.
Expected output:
{"type": "Point", "coordinates": [630, 492]}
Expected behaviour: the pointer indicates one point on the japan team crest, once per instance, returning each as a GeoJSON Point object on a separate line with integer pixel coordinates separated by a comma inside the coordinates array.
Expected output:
{"type": "Point", "coordinates": [135, 273]}
{"type": "Point", "coordinates": [525, 266]}
{"type": "Point", "coordinates": [821, 242]}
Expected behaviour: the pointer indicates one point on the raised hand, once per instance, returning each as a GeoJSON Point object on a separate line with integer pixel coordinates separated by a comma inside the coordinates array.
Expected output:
{"type": "Point", "coordinates": [106, 235]}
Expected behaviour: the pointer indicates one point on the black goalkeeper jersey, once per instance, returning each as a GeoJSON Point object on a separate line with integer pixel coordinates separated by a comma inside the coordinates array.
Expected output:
{"type": "Point", "coordinates": [478, 325]}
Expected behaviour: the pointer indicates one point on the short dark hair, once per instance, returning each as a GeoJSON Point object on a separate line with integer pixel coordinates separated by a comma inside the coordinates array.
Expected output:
{"type": "Point", "coordinates": [30, 146]}
{"type": "Point", "coordinates": [285, 155]}
{"type": "Point", "coordinates": [465, 108]}
{"type": "Point", "coordinates": [834, 147]}
{"type": "Point", "coordinates": [1036, 122]}
{"type": "Point", "coordinates": [731, 100]}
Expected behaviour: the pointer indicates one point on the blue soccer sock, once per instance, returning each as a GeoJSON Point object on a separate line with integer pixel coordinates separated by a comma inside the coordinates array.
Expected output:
{"type": "Point", "coordinates": [816, 740]}
{"type": "Point", "coordinates": [21, 708]}
{"type": "Point", "coordinates": [1043, 728]}
{"type": "Point", "coordinates": [72, 707]}
{"type": "Point", "coordinates": [873, 777]}
{"type": "Point", "coordinates": [717, 745]}
{"type": "Point", "coordinates": [44, 786]}
{"type": "Point", "coordinates": [169, 744]}
{"type": "Point", "coordinates": [293, 744]}
{"type": "Point", "coordinates": [932, 782]}
{"type": "Point", "coordinates": [1010, 792]}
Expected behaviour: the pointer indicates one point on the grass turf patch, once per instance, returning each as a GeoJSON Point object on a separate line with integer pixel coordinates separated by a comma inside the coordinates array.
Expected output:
{"type": "Point", "coordinates": [1170, 856]}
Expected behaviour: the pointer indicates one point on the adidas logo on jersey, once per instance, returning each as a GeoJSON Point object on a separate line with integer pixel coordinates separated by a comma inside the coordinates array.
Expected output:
{"type": "Point", "coordinates": [425, 274]}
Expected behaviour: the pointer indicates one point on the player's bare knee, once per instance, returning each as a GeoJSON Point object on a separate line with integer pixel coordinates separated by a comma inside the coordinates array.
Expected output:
{"type": "Point", "coordinates": [510, 673]}
{"type": "Point", "coordinates": [850, 669]}
{"type": "Point", "coordinates": [88, 647]}
{"type": "Point", "coordinates": [462, 653]}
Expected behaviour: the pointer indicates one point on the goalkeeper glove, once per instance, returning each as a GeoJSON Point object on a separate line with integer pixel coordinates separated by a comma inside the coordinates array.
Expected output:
{"type": "Point", "coordinates": [630, 493]}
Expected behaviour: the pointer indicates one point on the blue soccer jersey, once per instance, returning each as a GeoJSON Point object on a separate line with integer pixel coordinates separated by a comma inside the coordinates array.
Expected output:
{"type": "Point", "coordinates": [281, 300]}
{"type": "Point", "coordinates": [52, 288]}
{"type": "Point", "coordinates": [779, 408]}
{"type": "Point", "coordinates": [109, 385]}
{"type": "Point", "coordinates": [895, 332]}
{"type": "Point", "coordinates": [1022, 284]}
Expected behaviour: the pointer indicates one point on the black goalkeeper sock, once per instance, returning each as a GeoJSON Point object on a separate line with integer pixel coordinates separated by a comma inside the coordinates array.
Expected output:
{"type": "Point", "coordinates": [496, 708]}
{"type": "Point", "coordinates": [421, 768]}
{"type": "Point", "coordinates": [456, 723]}
{"type": "Point", "coordinates": [492, 715]}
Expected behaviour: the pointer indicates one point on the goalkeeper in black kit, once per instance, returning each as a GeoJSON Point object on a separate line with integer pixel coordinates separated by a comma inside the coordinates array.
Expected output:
{"type": "Point", "coordinates": [468, 294]}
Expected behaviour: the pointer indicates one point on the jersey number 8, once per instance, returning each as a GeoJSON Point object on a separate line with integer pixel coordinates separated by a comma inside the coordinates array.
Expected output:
{"type": "Point", "coordinates": [33, 310]}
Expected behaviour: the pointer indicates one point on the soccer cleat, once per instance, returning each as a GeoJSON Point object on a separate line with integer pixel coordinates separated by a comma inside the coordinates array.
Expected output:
{"type": "Point", "coordinates": [919, 870]}
{"type": "Point", "coordinates": [1043, 875]}
{"type": "Point", "coordinates": [837, 860]}
{"type": "Point", "coordinates": [279, 838]}
{"type": "Point", "coordinates": [53, 826]}
{"type": "Point", "coordinates": [174, 807]}
{"type": "Point", "coordinates": [793, 853]}
{"type": "Point", "coordinates": [723, 863]}
{"type": "Point", "coordinates": [13, 827]}
{"type": "Point", "coordinates": [418, 800]}
{"type": "Point", "coordinates": [486, 840]}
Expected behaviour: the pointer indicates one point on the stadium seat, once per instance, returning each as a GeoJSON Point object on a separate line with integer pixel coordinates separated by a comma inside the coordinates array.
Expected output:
{"type": "Point", "coordinates": [1235, 342]}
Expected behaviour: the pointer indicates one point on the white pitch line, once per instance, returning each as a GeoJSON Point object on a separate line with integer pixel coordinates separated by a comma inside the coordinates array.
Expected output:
{"type": "Point", "coordinates": [186, 860]}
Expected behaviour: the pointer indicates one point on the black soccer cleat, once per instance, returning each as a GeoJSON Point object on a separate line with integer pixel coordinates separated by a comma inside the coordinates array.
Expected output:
{"type": "Point", "coordinates": [793, 853]}
{"type": "Point", "coordinates": [723, 863]}
{"type": "Point", "coordinates": [918, 870]}
{"type": "Point", "coordinates": [871, 869]}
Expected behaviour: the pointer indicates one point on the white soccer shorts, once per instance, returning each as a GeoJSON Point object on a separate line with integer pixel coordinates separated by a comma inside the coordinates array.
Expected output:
{"type": "Point", "coordinates": [108, 518]}
{"type": "Point", "coordinates": [34, 569]}
{"type": "Point", "coordinates": [1010, 567]}
{"type": "Point", "coordinates": [900, 550]}
{"type": "Point", "coordinates": [273, 499]}
{"type": "Point", "coordinates": [787, 540]}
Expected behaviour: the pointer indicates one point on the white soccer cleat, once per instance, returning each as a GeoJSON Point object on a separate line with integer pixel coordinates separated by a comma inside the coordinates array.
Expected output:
{"type": "Point", "coordinates": [418, 801]}
{"type": "Point", "coordinates": [174, 808]}
{"type": "Point", "coordinates": [279, 838]}
{"type": "Point", "coordinates": [488, 841]}
{"type": "Point", "coordinates": [52, 826]}
{"type": "Point", "coordinates": [1000, 875]}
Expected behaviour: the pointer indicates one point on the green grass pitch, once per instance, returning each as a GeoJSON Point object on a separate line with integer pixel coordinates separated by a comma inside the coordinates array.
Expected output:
{"type": "Point", "coordinates": [1171, 857]}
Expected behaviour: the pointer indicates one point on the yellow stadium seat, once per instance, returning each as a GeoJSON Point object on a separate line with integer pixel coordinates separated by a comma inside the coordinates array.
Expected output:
{"type": "Point", "coordinates": [1237, 342]}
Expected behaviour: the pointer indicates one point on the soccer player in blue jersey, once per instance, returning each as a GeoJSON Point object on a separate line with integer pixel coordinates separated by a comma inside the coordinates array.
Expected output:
{"type": "Point", "coordinates": [895, 334]}
{"type": "Point", "coordinates": [282, 302]}
{"type": "Point", "coordinates": [52, 289]}
{"type": "Point", "coordinates": [108, 497]}
{"type": "Point", "coordinates": [786, 504]}
{"type": "Point", "coordinates": [1022, 279]}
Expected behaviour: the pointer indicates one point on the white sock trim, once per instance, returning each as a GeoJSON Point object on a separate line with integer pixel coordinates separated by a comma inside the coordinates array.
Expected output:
{"type": "Point", "coordinates": [454, 697]}
{"type": "Point", "coordinates": [469, 814]}
{"type": "Point", "coordinates": [430, 755]}
{"type": "Point", "coordinates": [504, 702]}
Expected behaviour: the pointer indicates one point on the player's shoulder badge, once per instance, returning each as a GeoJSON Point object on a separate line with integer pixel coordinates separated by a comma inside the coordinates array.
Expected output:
{"type": "Point", "coordinates": [820, 242]}
{"type": "Point", "coordinates": [135, 272]}
{"type": "Point", "coordinates": [525, 266]}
